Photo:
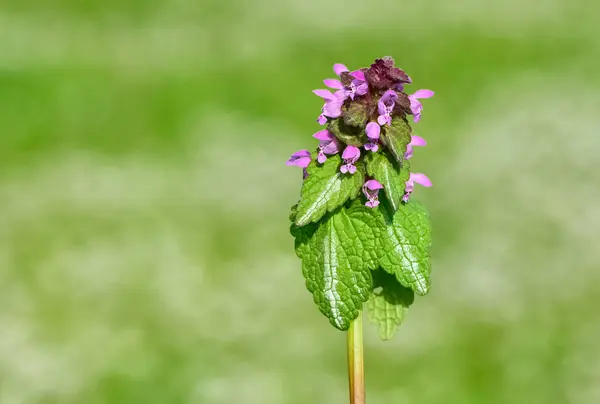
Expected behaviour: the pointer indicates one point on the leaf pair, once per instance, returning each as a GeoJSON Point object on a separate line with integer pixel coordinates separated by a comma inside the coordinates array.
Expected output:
{"type": "Point", "coordinates": [340, 253]}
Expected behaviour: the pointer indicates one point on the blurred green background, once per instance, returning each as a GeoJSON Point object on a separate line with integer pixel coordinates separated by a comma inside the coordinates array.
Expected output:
{"type": "Point", "coordinates": [144, 246]}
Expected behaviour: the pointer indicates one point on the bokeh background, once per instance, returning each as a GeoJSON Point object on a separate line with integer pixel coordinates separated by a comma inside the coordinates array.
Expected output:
{"type": "Point", "coordinates": [144, 246]}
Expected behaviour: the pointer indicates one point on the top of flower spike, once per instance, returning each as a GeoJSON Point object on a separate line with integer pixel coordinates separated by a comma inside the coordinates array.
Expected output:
{"type": "Point", "coordinates": [359, 113]}
{"type": "Point", "coordinates": [383, 75]}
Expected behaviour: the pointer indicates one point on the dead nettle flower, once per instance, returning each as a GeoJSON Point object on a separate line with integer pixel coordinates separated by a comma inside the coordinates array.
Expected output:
{"type": "Point", "coordinates": [371, 190]}
{"type": "Point", "coordinates": [418, 178]}
{"type": "Point", "coordinates": [333, 104]}
{"type": "Point", "coordinates": [414, 177]}
{"type": "Point", "coordinates": [328, 144]}
{"type": "Point", "coordinates": [300, 159]}
{"type": "Point", "coordinates": [415, 105]}
{"type": "Point", "coordinates": [385, 106]}
{"type": "Point", "coordinates": [357, 85]}
{"type": "Point", "coordinates": [414, 141]}
{"type": "Point", "coordinates": [350, 155]}
{"type": "Point", "coordinates": [372, 130]}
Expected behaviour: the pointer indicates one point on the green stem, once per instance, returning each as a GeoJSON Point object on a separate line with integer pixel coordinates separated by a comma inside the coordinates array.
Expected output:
{"type": "Point", "coordinates": [356, 370]}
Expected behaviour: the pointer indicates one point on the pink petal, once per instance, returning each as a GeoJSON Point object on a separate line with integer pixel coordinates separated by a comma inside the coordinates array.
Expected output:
{"type": "Point", "coordinates": [332, 83]}
{"type": "Point", "coordinates": [351, 169]}
{"type": "Point", "coordinates": [324, 94]}
{"type": "Point", "coordinates": [417, 141]}
{"type": "Point", "coordinates": [332, 147]}
{"type": "Point", "coordinates": [358, 74]}
{"type": "Point", "coordinates": [389, 95]}
{"type": "Point", "coordinates": [422, 94]}
{"type": "Point", "coordinates": [299, 162]}
{"type": "Point", "coordinates": [420, 178]}
{"type": "Point", "coordinates": [351, 152]}
{"type": "Point", "coordinates": [372, 147]}
{"type": "Point", "coordinates": [373, 130]}
{"type": "Point", "coordinates": [362, 89]}
{"type": "Point", "coordinates": [339, 68]}
{"type": "Point", "coordinates": [321, 158]}
{"type": "Point", "coordinates": [301, 153]}
{"type": "Point", "coordinates": [382, 119]}
{"type": "Point", "coordinates": [333, 109]}
{"type": "Point", "coordinates": [373, 185]}
{"type": "Point", "coordinates": [324, 135]}
{"type": "Point", "coordinates": [303, 162]}
{"type": "Point", "coordinates": [344, 169]}
{"type": "Point", "coordinates": [340, 95]}
{"type": "Point", "coordinates": [415, 106]}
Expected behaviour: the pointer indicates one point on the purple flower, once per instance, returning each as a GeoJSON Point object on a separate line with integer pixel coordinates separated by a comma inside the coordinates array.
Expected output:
{"type": "Point", "coordinates": [415, 105]}
{"type": "Point", "coordinates": [419, 178]}
{"type": "Point", "coordinates": [385, 106]}
{"type": "Point", "coordinates": [333, 83]}
{"type": "Point", "coordinates": [414, 141]}
{"type": "Point", "coordinates": [300, 159]}
{"type": "Point", "coordinates": [350, 156]}
{"type": "Point", "coordinates": [371, 190]}
{"type": "Point", "coordinates": [372, 131]}
{"type": "Point", "coordinates": [333, 104]}
{"type": "Point", "coordinates": [358, 85]}
{"type": "Point", "coordinates": [328, 144]}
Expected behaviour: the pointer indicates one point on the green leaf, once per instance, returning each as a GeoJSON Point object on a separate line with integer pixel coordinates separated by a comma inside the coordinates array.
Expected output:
{"type": "Point", "coordinates": [397, 137]}
{"type": "Point", "coordinates": [334, 268]}
{"type": "Point", "coordinates": [326, 188]}
{"type": "Point", "coordinates": [355, 114]}
{"type": "Point", "coordinates": [367, 224]}
{"type": "Point", "coordinates": [351, 135]}
{"type": "Point", "coordinates": [405, 245]}
{"type": "Point", "coordinates": [388, 304]}
{"type": "Point", "coordinates": [393, 179]}
{"type": "Point", "coordinates": [301, 234]}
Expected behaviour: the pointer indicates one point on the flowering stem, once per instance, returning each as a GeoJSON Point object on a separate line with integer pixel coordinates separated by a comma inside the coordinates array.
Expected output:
{"type": "Point", "coordinates": [356, 371]}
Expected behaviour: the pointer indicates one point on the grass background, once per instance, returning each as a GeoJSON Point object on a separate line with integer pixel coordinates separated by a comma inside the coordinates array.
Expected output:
{"type": "Point", "coordinates": [144, 246]}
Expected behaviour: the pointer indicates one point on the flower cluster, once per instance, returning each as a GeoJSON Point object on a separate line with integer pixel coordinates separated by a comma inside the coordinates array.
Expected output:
{"type": "Point", "coordinates": [366, 100]}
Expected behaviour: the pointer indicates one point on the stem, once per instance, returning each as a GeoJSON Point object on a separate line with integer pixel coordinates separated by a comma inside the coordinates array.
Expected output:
{"type": "Point", "coordinates": [356, 370]}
